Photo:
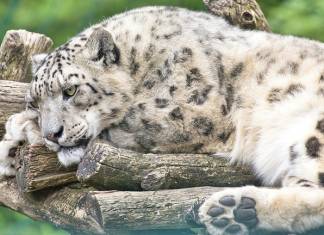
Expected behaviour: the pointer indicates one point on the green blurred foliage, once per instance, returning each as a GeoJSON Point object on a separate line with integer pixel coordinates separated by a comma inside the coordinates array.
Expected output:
{"type": "Point", "coordinates": [13, 223]}
{"type": "Point", "coordinates": [296, 17]}
{"type": "Point", "coordinates": [61, 19]}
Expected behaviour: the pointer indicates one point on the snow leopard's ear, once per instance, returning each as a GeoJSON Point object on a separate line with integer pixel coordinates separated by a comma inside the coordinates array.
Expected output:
{"type": "Point", "coordinates": [101, 48]}
{"type": "Point", "coordinates": [37, 61]}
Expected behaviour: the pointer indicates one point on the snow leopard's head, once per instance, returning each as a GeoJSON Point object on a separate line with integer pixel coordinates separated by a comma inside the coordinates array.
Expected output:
{"type": "Point", "coordinates": [79, 90]}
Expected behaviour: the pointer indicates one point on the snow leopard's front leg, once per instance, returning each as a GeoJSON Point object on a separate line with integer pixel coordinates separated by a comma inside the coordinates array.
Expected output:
{"type": "Point", "coordinates": [240, 210]}
{"type": "Point", "coordinates": [19, 127]}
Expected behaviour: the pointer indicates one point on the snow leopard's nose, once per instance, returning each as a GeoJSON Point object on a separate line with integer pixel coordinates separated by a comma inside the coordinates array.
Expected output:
{"type": "Point", "coordinates": [54, 136]}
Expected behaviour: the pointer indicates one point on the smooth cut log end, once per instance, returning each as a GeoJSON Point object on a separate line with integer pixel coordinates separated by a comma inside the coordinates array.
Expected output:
{"type": "Point", "coordinates": [39, 168]}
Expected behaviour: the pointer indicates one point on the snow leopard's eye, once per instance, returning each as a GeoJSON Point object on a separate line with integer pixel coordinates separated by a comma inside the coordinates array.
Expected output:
{"type": "Point", "coordinates": [69, 92]}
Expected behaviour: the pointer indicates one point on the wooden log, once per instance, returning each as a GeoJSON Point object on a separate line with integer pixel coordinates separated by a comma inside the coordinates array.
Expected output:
{"type": "Point", "coordinates": [59, 206]}
{"type": "Point", "coordinates": [165, 209]}
{"type": "Point", "coordinates": [106, 212]}
{"type": "Point", "coordinates": [245, 13]}
{"type": "Point", "coordinates": [16, 50]}
{"type": "Point", "coordinates": [39, 168]}
{"type": "Point", "coordinates": [83, 211]}
{"type": "Point", "coordinates": [12, 100]}
{"type": "Point", "coordinates": [107, 167]}
{"type": "Point", "coordinates": [110, 168]}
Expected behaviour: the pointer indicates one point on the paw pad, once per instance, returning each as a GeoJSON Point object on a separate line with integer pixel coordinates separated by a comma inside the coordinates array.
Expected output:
{"type": "Point", "coordinates": [215, 211]}
{"type": "Point", "coordinates": [247, 202]}
{"type": "Point", "coordinates": [230, 214]}
{"type": "Point", "coordinates": [245, 212]}
{"type": "Point", "coordinates": [233, 229]}
{"type": "Point", "coordinates": [227, 201]}
{"type": "Point", "coordinates": [220, 223]}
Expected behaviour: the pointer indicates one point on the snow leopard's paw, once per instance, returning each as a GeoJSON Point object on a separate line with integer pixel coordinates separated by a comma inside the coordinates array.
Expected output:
{"type": "Point", "coordinates": [20, 127]}
{"type": "Point", "coordinates": [7, 158]}
{"type": "Point", "coordinates": [229, 212]}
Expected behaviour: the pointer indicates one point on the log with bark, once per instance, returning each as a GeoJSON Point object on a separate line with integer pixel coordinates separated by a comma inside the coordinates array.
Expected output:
{"type": "Point", "coordinates": [16, 50]}
{"type": "Point", "coordinates": [107, 212]}
{"type": "Point", "coordinates": [109, 168]}
{"type": "Point", "coordinates": [78, 208]}
{"type": "Point", "coordinates": [39, 168]}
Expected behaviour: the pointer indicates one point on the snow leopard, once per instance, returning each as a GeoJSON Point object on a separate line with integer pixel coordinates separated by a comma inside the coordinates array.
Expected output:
{"type": "Point", "coordinates": [171, 80]}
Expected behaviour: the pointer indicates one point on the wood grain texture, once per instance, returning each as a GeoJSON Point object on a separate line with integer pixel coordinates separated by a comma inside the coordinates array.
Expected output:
{"type": "Point", "coordinates": [164, 209]}
{"type": "Point", "coordinates": [107, 167]}
{"type": "Point", "coordinates": [59, 206]}
{"type": "Point", "coordinates": [83, 211]}
{"type": "Point", "coordinates": [12, 100]}
{"type": "Point", "coordinates": [39, 168]}
{"type": "Point", "coordinates": [106, 212]}
{"type": "Point", "coordinates": [16, 50]}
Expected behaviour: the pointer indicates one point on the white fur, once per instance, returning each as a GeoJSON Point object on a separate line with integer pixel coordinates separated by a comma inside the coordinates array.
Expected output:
{"type": "Point", "coordinates": [277, 209]}
{"type": "Point", "coordinates": [70, 156]}
{"type": "Point", "coordinates": [19, 127]}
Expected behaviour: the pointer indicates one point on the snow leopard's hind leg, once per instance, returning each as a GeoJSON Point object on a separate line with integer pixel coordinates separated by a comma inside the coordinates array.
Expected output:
{"type": "Point", "coordinates": [19, 127]}
{"type": "Point", "coordinates": [242, 210]}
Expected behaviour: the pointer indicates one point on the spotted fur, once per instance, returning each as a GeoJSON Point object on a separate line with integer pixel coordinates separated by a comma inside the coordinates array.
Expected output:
{"type": "Point", "coordinates": [170, 80]}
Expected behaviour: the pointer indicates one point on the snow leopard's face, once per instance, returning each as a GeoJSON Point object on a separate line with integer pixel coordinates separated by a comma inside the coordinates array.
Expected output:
{"type": "Point", "coordinates": [79, 90]}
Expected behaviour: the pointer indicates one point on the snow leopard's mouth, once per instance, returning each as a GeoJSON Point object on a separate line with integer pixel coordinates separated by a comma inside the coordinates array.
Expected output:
{"type": "Point", "coordinates": [81, 143]}
{"type": "Point", "coordinates": [69, 155]}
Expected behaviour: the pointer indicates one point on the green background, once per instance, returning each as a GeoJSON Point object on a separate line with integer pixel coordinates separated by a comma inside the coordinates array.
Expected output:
{"type": "Point", "coordinates": [61, 19]}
